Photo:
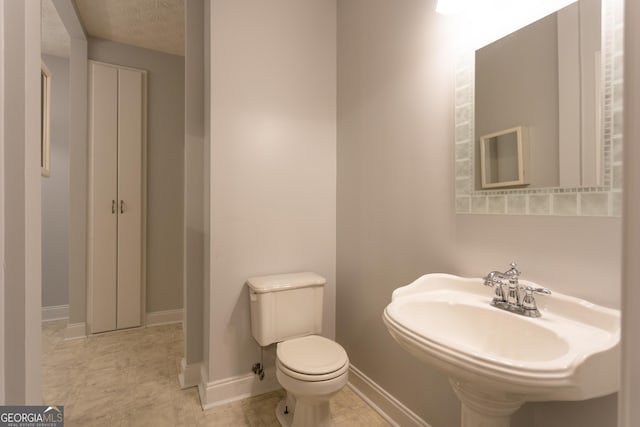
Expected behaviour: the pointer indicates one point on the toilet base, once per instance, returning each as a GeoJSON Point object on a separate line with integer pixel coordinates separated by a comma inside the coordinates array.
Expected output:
{"type": "Point", "coordinates": [284, 414]}
{"type": "Point", "coordinates": [303, 414]}
{"type": "Point", "coordinates": [308, 400]}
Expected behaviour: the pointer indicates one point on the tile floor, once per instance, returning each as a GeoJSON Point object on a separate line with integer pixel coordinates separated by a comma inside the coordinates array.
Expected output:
{"type": "Point", "coordinates": [129, 378]}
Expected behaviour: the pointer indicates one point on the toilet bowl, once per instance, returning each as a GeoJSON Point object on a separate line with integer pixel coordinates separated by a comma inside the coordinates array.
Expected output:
{"type": "Point", "coordinates": [311, 369]}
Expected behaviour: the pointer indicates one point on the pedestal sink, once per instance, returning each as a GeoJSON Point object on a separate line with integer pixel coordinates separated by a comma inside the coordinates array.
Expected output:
{"type": "Point", "coordinates": [497, 360]}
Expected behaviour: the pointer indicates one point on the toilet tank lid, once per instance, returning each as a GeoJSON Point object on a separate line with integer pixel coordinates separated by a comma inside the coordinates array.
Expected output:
{"type": "Point", "coordinates": [282, 282]}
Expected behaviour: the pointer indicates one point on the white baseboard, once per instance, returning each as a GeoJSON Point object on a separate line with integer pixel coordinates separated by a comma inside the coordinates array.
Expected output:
{"type": "Point", "coordinates": [55, 312]}
{"type": "Point", "coordinates": [189, 375]}
{"type": "Point", "coordinates": [75, 331]}
{"type": "Point", "coordinates": [231, 389]}
{"type": "Point", "coordinates": [389, 408]}
{"type": "Point", "coordinates": [157, 318]}
{"type": "Point", "coordinates": [220, 392]}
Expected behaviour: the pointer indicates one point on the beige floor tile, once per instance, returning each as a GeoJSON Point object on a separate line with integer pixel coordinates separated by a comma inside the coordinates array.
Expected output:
{"type": "Point", "coordinates": [130, 379]}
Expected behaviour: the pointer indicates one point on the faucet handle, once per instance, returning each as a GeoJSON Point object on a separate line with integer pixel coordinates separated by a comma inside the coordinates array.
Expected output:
{"type": "Point", "coordinates": [529, 302]}
{"type": "Point", "coordinates": [542, 291]}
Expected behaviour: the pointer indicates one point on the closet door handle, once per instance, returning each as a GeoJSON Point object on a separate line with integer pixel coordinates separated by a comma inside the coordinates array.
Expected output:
{"type": "Point", "coordinates": [121, 206]}
{"type": "Point", "coordinates": [113, 206]}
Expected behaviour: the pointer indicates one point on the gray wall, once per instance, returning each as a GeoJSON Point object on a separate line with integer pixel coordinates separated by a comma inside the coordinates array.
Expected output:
{"type": "Point", "coordinates": [273, 170]}
{"type": "Point", "coordinates": [55, 191]}
{"type": "Point", "coordinates": [194, 160]}
{"type": "Point", "coordinates": [20, 192]}
{"type": "Point", "coordinates": [396, 217]}
{"type": "Point", "coordinates": [165, 165]}
{"type": "Point", "coordinates": [78, 177]}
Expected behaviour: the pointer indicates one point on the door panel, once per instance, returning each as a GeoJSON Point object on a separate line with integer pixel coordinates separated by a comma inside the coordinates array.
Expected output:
{"type": "Point", "coordinates": [130, 181]}
{"type": "Point", "coordinates": [103, 230]}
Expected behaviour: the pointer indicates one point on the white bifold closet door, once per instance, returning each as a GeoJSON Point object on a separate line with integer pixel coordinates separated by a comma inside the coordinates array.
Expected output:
{"type": "Point", "coordinates": [117, 130]}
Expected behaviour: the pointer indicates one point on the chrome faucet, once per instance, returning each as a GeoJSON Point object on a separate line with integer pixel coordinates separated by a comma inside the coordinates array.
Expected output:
{"type": "Point", "coordinates": [510, 295]}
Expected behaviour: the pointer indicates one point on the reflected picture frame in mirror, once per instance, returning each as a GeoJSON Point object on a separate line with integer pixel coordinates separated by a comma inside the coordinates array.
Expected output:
{"type": "Point", "coordinates": [503, 158]}
{"type": "Point", "coordinates": [601, 200]}
{"type": "Point", "coordinates": [45, 121]}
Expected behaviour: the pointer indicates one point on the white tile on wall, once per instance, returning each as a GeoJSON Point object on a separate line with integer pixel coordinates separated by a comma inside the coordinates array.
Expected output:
{"type": "Point", "coordinates": [463, 75]}
{"type": "Point", "coordinates": [462, 131]}
{"type": "Point", "coordinates": [462, 186]}
{"type": "Point", "coordinates": [463, 150]}
{"type": "Point", "coordinates": [565, 204]}
{"type": "Point", "coordinates": [463, 204]}
{"type": "Point", "coordinates": [618, 98]}
{"type": "Point", "coordinates": [594, 204]}
{"type": "Point", "coordinates": [497, 204]}
{"type": "Point", "coordinates": [463, 168]}
{"type": "Point", "coordinates": [540, 204]}
{"type": "Point", "coordinates": [616, 148]}
{"type": "Point", "coordinates": [517, 204]}
{"type": "Point", "coordinates": [617, 176]}
{"type": "Point", "coordinates": [479, 204]}
{"type": "Point", "coordinates": [463, 95]}
{"type": "Point", "coordinates": [462, 114]}
{"type": "Point", "coordinates": [616, 203]}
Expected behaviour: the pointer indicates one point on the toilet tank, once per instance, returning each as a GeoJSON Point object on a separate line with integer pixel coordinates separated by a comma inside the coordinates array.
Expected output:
{"type": "Point", "coordinates": [285, 306]}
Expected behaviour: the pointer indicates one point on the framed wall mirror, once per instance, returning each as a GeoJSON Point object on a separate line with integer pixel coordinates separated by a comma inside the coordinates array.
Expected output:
{"type": "Point", "coordinates": [560, 78]}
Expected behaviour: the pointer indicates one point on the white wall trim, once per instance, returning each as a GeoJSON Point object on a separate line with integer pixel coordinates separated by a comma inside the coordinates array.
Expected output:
{"type": "Point", "coordinates": [157, 318]}
{"type": "Point", "coordinates": [75, 331]}
{"type": "Point", "coordinates": [189, 375]}
{"type": "Point", "coordinates": [389, 408]}
{"type": "Point", "coordinates": [2, 196]}
{"type": "Point", "coordinates": [220, 392]}
{"type": "Point", "coordinates": [55, 312]}
{"type": "Point", "coordinates": [628, 409]}
{"type": "Point", "coordinates": [231, 389]}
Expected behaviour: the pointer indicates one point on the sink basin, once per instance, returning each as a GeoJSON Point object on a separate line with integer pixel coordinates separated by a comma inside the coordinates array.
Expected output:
{"type": "Point", "coordinates": [489, 334]}
{"type": "Point", "coordinates": [570, 353]}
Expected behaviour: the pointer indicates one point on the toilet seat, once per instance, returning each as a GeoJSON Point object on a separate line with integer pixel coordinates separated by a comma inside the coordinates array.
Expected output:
{"type": "Point", "coordinates": [312, 358]}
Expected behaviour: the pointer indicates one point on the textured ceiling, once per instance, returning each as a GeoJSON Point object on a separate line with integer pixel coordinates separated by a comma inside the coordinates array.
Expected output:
{"type": "Point", "coordinates": [152, 24]}
{"type": "Point", "coordinates": [55, 39]}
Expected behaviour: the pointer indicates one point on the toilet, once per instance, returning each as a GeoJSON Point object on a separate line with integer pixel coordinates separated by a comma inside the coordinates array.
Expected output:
{"type": "Point", "coordinates": [287, 309]}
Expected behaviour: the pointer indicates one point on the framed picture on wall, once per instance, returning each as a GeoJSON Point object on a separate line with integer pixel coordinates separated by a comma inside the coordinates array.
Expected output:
{"type": "Point", "coordinates": [45, 120]}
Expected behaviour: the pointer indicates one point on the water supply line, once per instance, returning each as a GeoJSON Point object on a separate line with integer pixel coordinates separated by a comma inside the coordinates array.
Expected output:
{"type": "Point", "coordinates": [258, 368]}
